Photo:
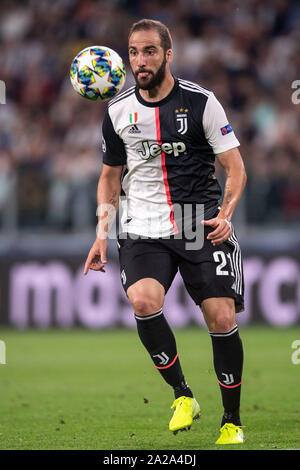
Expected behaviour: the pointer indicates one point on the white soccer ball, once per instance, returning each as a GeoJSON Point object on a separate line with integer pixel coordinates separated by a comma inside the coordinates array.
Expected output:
{"type": "Point", "coordinates": [97, 73]}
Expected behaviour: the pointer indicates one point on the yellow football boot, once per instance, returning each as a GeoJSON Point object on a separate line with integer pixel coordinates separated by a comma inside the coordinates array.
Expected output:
{"type": "Point", "coordinates": [231, 434]}
{"type": "Point", "coordinates": [186, 410]}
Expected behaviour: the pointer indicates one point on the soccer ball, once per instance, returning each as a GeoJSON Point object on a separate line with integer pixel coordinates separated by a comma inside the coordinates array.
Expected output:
{"type": "Point", "coordinates": [97, 73]}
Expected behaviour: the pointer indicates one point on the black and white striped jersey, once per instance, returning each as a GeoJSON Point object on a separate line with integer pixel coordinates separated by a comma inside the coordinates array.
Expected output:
{"type": "Point", "coordinates": [167, 149]}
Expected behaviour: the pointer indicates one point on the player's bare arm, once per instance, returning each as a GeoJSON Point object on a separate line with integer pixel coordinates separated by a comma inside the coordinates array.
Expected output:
{"type": "Point", "coordinates": [233, 165]}
{"type": "Point", "coordinates": [109, 188]}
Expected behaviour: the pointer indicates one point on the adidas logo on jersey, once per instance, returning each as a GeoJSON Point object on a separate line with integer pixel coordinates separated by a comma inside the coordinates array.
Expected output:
{"type": "Point", "coordinates": [134, 130]}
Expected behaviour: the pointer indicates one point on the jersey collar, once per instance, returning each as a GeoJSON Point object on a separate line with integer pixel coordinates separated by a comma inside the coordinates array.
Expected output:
{"type": "Point", "coordinates": [155, 104]}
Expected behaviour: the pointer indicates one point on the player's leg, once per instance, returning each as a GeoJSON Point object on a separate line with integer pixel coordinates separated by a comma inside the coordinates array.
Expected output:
{"type": "Point", "coordinates": [220, 317]}
{"type": "Point", "coordinates": [215, 283]}
{"type": "Point", "coordinates": [147, 271]}
{"type": "Point", "coordinates": [147, 299]}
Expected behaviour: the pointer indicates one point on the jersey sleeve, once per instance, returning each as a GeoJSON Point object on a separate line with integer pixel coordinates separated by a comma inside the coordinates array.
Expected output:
{"type": "Point", "coordinates": [113, 148]}
{"type": "Point", "coordinates": [218, 131]}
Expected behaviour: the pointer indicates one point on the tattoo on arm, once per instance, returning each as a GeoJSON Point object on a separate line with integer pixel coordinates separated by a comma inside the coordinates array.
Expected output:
{"type": "Point", "coordinates": [113, 199]}
{"type": "Point", "coordinates": [227, 193]}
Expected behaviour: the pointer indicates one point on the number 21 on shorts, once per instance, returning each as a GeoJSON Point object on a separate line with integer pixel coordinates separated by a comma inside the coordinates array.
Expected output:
{"type": "Point", "coordinates": [221, 258]}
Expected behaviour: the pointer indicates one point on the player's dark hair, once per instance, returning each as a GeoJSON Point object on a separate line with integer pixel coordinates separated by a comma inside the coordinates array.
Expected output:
{"type": "Point", "coordinates": [163, 31]}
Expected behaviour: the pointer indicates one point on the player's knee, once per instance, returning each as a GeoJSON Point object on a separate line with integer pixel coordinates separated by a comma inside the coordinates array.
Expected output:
{"type": "Point", "coordinates": [146, 297]}
{"type": "Point", "coordinates": [222, 322]}
{"type": "Point", "coordinates": [145, 305]}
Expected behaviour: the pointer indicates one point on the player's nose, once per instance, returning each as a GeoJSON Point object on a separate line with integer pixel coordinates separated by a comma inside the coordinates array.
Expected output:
{"type": "Point", "coordinates": [140, 60]}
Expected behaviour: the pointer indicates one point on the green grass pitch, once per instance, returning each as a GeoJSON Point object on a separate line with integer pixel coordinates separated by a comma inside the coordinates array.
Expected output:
{"type": "Point", "coordinates": [82, 389]}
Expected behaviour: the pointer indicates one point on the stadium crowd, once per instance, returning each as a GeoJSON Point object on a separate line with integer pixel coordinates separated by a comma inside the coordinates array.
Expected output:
{"type": "Point", "coordinates": [247, 52]}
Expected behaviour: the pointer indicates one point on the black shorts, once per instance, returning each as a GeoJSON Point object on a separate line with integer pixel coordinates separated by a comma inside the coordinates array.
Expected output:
{"type": "Point", "coordinates": [212, 271]}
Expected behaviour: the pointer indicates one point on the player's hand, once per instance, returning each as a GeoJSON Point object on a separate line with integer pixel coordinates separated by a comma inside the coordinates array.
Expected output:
{"type": "Point", "coordinates": [97, 256]}
{"type": "Point", "coordinates": [222, 230]}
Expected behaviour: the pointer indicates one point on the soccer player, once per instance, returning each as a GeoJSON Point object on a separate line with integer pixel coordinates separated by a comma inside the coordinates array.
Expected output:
{"type": "Point", "coordinates": [160, 140]}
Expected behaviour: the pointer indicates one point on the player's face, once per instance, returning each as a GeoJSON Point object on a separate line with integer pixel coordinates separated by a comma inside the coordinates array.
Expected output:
{"type": "Point", "coordinates": [148, 59]}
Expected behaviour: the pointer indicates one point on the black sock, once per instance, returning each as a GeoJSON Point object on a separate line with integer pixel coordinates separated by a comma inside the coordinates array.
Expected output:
{"type": "Point", "coordinates": [158, 338]}
{"type": "Point", "coordinates": [228, 363]}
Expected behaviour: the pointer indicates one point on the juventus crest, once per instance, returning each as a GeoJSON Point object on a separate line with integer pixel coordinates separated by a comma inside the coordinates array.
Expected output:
{"type": "Point", "coordinates": [181, 120]}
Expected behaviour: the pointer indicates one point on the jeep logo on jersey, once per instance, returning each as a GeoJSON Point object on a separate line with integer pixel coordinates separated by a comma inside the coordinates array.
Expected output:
{"type": "Point", "coordinates": [154, 150]}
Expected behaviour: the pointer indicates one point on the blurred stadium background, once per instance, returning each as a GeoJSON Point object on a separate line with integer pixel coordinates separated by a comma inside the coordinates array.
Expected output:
{"type": "Point", "coordinates": [247, 52]}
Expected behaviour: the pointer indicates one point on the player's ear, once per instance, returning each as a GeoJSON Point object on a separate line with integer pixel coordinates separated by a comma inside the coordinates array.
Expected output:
{"type": "Point", "coordinates": [169, 55]}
